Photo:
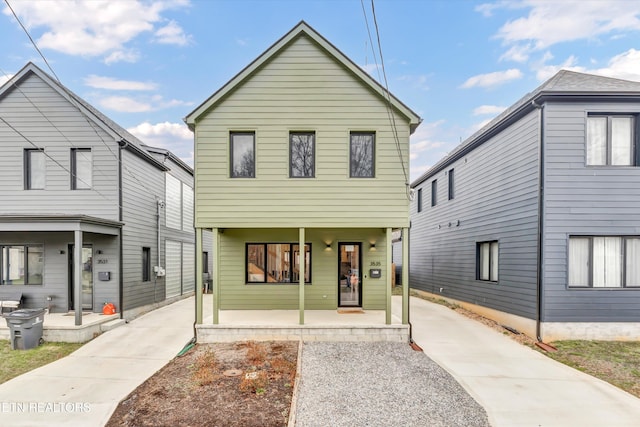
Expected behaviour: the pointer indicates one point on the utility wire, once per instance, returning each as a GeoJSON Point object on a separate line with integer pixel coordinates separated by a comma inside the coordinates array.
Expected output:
{"type": "Point", "coordinates": [387, 94]}
{"type": "Point", "coordinates": [73, 102]}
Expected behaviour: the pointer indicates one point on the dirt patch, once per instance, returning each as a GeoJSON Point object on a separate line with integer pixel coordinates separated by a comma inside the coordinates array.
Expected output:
{"type": "Point", "coordinates": [221, 384]}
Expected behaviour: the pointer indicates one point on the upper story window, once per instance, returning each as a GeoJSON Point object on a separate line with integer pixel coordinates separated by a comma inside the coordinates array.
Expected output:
{"type": "Point", "coordinates": [611, 140]}
{"type": "Point", "coordinates": [434, 192]}
{"type": "Point", "coordinates": [302, 154]}
{"type": "Point", "coordinates": [21, 264]}
{"type": "Point", "coordinates": [34, 169]}
{"type": "Point", "coordinates": [419, 199]}
{"type": "Point", "coordinates": [243, 154]}
{"type": "Point", "coordinates": [451, 183]}
{"type": "Point", "coordinates": [487, 261]}
{"type": "Point", "coordinates": [604, 261]}
{"type": "Point", "coordinates": [81, 168]}
{"type": "Point", "coordinates": [361, 155]}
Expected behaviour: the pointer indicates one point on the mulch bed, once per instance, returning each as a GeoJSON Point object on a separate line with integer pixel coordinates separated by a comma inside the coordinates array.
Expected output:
{"type": "Point", "coordinates": [221, 384]}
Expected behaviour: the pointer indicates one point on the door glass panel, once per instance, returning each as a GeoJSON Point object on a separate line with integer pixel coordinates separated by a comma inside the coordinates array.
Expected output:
{"type": "Point", "coordinates": [87, 278]}
{"type": "Point", "coordinates": [350, 279]}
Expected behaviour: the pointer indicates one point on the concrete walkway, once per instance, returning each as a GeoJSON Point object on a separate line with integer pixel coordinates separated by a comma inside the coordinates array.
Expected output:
{"type": "Point", "coordinates": [84, 388]}
{"type": "Point", "coordinates": [516, 385]}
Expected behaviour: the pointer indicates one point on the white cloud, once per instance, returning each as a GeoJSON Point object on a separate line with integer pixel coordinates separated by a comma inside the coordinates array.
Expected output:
{"type": "Point", "coordinates": [416, 81]}
{"type": "Point", "coordinates": [101, 82]}
{"type": "Point", "coordinates": [122, 56]}
{"type": "Point", "coordinates": [93, 28]}
{"type": "Point", "coordinates": [175, 137]}
{"type": "Point", "coordinates": [547, 71]}
{"type": "Point", "coordinates": [5, 78]}
{"type": "Point", "coordinates": [488, 109]}
{"type": "Point", "coordinates": [125, 104]}
{"type": "Point", "coordinates": [172, 33]}
{"type": "Point", "coordinates": [492, 79]}
{"type": "Point", "coordinates": [517, 53]}
{"type": "Point", "coordinates": [623, 66]}
{"type": "Point", "coordinates": [552, 22]}
{"type": "Point", "coordinates": [242, 42]}
{"type": "Point", "coordinates": [370, 68]}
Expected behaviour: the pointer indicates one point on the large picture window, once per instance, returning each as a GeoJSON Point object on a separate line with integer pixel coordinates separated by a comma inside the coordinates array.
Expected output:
{"type": "Point", "coordinates": [361, 155]}
{"type": "Point", "coordinates": [276, 263]}
{"type": "Point", "coordinates": [604, 261]}
{"type": "Point", "coordinates": [34, 169]}
{"type": "Point", "coordinates": [21, 264]}
{"type": "Point", "coordinates": [81, 168]}
{"type": "Point", "coordinates": [302, 154]}
{"type": "Point", "coordinates": [611, 140]}
{"type": "Point", "coordinates": [487, 261]}
{"type": "Point", "coordinates": [243, 154]}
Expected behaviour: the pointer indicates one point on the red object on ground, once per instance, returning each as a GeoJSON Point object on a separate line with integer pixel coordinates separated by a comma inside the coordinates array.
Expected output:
{"type": "Point", "coordinates": [109, 308]}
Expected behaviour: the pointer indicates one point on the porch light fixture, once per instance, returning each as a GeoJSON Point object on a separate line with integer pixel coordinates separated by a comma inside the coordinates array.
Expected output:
{"type": "Point", "coordinates": [373, 246]}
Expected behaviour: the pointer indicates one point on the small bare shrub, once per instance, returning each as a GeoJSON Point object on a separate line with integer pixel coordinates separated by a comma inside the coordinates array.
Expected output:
{"type": "Point", "coordinates": [256, 353]}
{"type": "Point", "coordinates": [284, 368]}
{"type": "Point", "coordinates": [254, 382]}
{"type": "Point", "coordinates": [205, 368]}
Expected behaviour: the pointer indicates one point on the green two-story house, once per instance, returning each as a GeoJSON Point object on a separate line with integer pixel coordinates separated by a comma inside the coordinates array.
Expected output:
{"type": "Point", "coordinates": [301, 164]}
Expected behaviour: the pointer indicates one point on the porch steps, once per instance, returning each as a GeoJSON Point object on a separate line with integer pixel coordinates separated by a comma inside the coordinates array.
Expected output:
{"type": "Point", "coordinates": [112, 324]}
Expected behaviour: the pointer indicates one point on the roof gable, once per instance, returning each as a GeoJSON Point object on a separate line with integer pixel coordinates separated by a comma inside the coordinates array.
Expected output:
{"type": "Point", "coordinates": [118, 133]}
{"type": "Point", "coordinates": [301, 30]}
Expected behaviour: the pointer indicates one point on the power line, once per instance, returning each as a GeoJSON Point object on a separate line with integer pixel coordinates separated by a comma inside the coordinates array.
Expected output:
{"type": "Point", "coordinates": [73, 102]}
{"type": "Point", "coordinates": [387, 94]}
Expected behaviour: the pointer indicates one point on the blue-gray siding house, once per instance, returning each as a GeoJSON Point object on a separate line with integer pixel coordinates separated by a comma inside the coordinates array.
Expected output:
{"type": "Point", "coordinates": [534, 221]}
{"type": "Point", "coordinates": [84, 201]}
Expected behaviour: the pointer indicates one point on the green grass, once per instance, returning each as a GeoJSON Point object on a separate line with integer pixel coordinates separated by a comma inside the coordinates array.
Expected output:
{"type": "Point", "coordinates": [17, 362]}
{"type": "Point", "coordinates": [617, 362]}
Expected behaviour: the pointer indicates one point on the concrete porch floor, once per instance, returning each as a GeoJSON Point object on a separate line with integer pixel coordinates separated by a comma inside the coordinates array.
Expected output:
{"type": "Point", "coordinates": [61, 327]}
{"type": "Point", "coordinates": [319, 325]}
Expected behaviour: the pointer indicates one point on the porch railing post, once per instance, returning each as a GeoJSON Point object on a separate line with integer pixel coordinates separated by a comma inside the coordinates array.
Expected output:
{"type": "Point", "coordinates": [77, 276]}
{"type": "Point", "coordinates": [215, 277]}
{"type": "Point", "coordinates": [405, 276]}
{"type": "Point", "coordinates": [389, 261]}
{"type": "Point", "coordinates": [199, 273]}
{"type": "Point", "coordinates": [302, 265]}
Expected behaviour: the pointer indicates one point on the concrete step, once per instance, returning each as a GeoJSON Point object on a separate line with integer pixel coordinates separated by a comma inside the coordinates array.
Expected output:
{"type": "Point", "coordinates": [112, 324]}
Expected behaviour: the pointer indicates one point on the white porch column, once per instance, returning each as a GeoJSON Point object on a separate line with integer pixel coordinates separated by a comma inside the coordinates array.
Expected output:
{"type": "Point", "coordinates": [215, 277]}
{"type": "Point", "coordinates": [405, 276]}
{"type": "Point", "coordinates": [77, 276]}
{"type": "Point", "coordinates": [389, 261]}
{"type": "Point", "coordinates": [302, 257]}
{"type": "Point", "coordinates": [199, 273]}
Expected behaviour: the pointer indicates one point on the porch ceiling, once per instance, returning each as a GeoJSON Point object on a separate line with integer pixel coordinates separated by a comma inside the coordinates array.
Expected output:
{"type": "Point", "coordinates": [83, 223]}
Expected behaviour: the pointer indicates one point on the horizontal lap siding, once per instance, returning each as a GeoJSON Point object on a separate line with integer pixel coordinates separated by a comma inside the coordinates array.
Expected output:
{"type": "Point", "coordinates": [321, 294]}
{"type": "Point", "coordinates": [49, 121]}
{"type": "Point", "coordinates": [584, 200]}
{"type": "Point", "coordinates": [142, 186]}
{"type": "Point", "coordinates": [495, 199]}
{"type": "Point", "coordinates": [301, 89]}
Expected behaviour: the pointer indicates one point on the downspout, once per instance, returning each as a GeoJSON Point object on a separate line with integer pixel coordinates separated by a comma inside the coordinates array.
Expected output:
{"type": "Point", "coordinates": [121, 258]}
{"type": "Point", "coordinates": [159, 205]}
{"type": "Point", "coordinates": [539, 254]}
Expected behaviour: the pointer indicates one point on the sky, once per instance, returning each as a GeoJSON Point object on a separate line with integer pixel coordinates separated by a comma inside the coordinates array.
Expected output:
{"type": "Point", "coordinates": [146, 64]}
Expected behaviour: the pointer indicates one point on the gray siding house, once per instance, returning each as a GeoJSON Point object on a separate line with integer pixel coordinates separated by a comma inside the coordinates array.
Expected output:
{"type": "Point", "coordinates": [534, 221]}
{"type": "Point", "coordinates": [88, 212]}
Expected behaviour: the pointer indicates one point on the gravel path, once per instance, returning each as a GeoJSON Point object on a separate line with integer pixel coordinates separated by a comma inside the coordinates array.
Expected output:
{"type": "Point", "coordinates": [379, 384]}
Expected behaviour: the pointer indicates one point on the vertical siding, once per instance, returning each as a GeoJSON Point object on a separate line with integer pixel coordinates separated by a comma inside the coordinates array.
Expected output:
{"type": "Point", "coordinates": [188, 268]}
{"type": "Point", "coordinates": [584, 200]}
{"type": "Point", "coordinates": [495, 199]}
{"type": "Point", "coordinates": [173, 202]}
{"type": "Point", "coordinates": [142, 187]}
{"type": "Point", "coordinates": [49, 121]}
{"type": "Point", "coordinates": [301, 89]}
{"type": "Point", "coordinates": [173, 278]}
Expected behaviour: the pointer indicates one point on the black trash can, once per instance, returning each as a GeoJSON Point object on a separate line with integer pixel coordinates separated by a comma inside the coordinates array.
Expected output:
{"type": "Point", "coordinates": [25, 326]}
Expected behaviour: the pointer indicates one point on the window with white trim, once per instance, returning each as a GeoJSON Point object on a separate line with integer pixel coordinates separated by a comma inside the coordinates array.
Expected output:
{"type": "Point", "coordinates": [81, 169]}
{"type": "Point", "coordinates": [34, 169]}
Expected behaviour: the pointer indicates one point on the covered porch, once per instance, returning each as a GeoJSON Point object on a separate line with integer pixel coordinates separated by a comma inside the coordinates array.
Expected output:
{"type": "Point", "coordinates": [335, 320]}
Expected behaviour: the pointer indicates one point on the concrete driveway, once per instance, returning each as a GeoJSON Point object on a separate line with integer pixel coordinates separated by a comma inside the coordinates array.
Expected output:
{"type": "Point", "coordinates": [84, 388]}
{"type": "Point", "coordinates": [516, 385]}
